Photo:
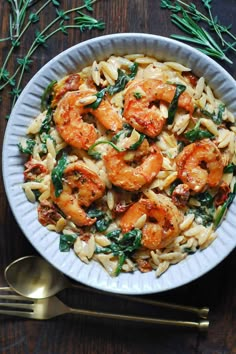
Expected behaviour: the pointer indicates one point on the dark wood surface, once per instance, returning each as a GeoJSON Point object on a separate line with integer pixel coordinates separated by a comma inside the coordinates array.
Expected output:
{"type": "Point", "coordinates": [71, 334]}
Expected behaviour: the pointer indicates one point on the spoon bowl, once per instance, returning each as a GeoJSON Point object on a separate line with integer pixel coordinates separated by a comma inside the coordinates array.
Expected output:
{"type": "Point", "coordinates": [33, 277]}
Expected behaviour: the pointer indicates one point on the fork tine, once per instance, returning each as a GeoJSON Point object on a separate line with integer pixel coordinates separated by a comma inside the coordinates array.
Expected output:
{"type": "Point", "coordinates": [16, 305]}
{"type": "Point", "coordinates": [15, 313]}
{"type": "Point", "coordinates": [14, 297]}
{"type": "Point", "coordinates": [9, 301]}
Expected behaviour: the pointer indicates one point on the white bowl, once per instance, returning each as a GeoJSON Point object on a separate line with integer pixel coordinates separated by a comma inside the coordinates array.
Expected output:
{"type": "Point", "coordinates": [28, 106]}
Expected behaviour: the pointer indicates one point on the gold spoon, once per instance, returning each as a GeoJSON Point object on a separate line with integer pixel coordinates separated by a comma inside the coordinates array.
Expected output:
{"type": "Point", "coordinates": [33, 277]}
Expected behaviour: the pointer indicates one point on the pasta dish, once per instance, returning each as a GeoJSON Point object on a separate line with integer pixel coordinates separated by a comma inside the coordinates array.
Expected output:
{"type": "Point", "coordinates": [132, 162]}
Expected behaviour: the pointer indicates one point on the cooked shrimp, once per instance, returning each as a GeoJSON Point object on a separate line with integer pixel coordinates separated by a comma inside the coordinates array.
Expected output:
{"type": "Point", "coordinates": [81, 187]}
{"type": "Point", "coordinates": [131, 170]}
{"type": "Point", "coordinates": [69, 121]}
{"type": "Point", "coordinates": [140, 108]}
{"type": "Point", "coordinates": [155, 234]}
{"type": "Point", "coordinates": [200, 165]}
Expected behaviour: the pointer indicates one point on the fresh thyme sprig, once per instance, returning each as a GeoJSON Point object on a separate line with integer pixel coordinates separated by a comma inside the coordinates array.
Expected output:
{"type": "Point", "coordinates": [187, 17]}
{"type": "Point", "coordinates": [16, 18]}
{"type": "Point", "coordinates": [41, 38]}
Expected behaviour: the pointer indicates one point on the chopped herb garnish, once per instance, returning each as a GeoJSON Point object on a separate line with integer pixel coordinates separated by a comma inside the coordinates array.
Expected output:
{"type": "Point", "coordinates": [174, 103]}
{"type": "Point", "coordinates": [57, 174]}
{"type": "Point", "coordinates": [137, 95]}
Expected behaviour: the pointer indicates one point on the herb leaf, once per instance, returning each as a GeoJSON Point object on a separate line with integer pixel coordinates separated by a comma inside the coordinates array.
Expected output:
{"type": "Point", "coordinates": [28, 146]}
{"type": "Point", "coordinates": [103, 220]}
{"type": "Point", "coordinates": [123, 247]}
{"type": "Point", "coordinates": [123, 79]}
{"type": "Point", "coordinates": [66, 242]}
{"type": "Point", "coordinates": [47, 96]}
{"type": "Point", "coordinates": [197, 134]}
{"type": "Point", "coordinates": [174, 103]}
{"type": "Point", "coordinates": [57, 174]}
{"type": "Point", "coordinates": [222, 210]}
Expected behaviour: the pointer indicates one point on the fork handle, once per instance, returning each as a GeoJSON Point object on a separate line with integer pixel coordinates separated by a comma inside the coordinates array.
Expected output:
{"type": "Point", "coordinates": [200, 312]}
{"type": "Point", "coordinates": [202, 325]}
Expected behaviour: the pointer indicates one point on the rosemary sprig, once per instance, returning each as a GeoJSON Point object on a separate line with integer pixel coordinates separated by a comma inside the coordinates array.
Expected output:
{"type": "Point", "coordinates": [187, 17]}
{"type": "Point", "coordinates": [41, 38]}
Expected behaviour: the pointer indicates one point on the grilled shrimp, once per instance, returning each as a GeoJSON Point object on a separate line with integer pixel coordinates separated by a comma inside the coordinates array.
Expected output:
{"type": "Point", "coordinates": [69, 121]}
{"type": "Point", "coordinates": [140, 109]}
{"type": "Point", "coordinates": [200, 164]}
{"type": "Point", "coordinates": [133, 169]}
{"type": "Point", "coordinates": [162, 223]}
{"type": "Point", "coordinates": [81, 187]}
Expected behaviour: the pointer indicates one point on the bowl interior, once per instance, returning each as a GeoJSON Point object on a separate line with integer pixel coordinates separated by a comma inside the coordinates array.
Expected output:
{"type": "Point", "coordinates": [28, 106]}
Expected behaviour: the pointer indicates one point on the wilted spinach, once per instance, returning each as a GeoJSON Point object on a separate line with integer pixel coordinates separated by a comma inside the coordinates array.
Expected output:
{"type": "Point", "coordinates": [57, 174]}
{"type": "Point", "coordinates": [66, 242]}
{"type": "Point", "coordinates": [197, 134]}
{"type": "Point", "coordinates": [47, 96]}
{"type": "Point", "coordinates": [122, 247]}
{"type": "Point", "coordinates": [174, 103]}
{"type": "Point", "coordinates": [28, 146]}
{"type": "Point", "coordinates": [103, 220]}
{"type": "Point", "coordinates": [221, 212]}
{"type": "Point", "coordinates": [216, 118]}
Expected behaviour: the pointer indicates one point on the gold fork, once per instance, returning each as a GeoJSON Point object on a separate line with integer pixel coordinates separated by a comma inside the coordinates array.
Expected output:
{"type": "Point", "coordinates": [44, 309]}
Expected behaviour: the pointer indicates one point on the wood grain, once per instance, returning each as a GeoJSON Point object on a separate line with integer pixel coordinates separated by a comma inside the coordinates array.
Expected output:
{"type": "Point", "coordinates": [73, 335]}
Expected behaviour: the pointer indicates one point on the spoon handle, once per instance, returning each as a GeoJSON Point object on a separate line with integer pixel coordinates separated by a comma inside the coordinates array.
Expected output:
{"type": "Point", "coordinates": [200, 312]}
{"type": "Point", "coordinates": [202, 325]}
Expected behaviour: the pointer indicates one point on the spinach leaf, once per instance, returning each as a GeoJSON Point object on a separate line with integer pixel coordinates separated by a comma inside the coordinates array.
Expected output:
{"type": "Point", "coordinates": [97, 155]}
{"type": "Point", "coordinates": [57, 174]}
{"type": "Point", "coordinates": [100, 95]}
{"type": "Point", "coordinates": [205, 199]}
{"type": "Point", "coordinates": [203, 213]}
{"type": "Point", "coordinates": [66, 242]}
{"type": "Point", "coordinates": [197, 134]}
{"type": "Point", "coordinates": [231, 168]}
{"type": "Point", "coordinates": [174, 103]}
{"type": "Point", "coordinates": [138, 143]}
{"type": "Point", "coordinates": [120, 84]}
{"type": "Point", "coordinates": [27, 147]}
{"type": "Point", "coordinates": [103, 223]}
{"type": "Point", "coordinates": [114, 235]}
{"type": "Point", "coordinates": [221, 212]}
{"type": "Point", "coordinates": [103, 220]}
{"type": "Point", "coordinates": [47, 96]}
{"type": "Point", "coordinates": [216, 118]}
{"type": "Point", "coordinates": [46, 123]}
{"type": "Point", "coordinates": [123, 79]}
{"type": "Point", "coordinates": [126, 131]}
{"type": "Point", "coordinates": [123, 247]}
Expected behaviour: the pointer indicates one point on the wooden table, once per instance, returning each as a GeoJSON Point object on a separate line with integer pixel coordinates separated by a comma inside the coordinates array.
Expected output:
{"type": "Point", "coordinates": [69, 334]}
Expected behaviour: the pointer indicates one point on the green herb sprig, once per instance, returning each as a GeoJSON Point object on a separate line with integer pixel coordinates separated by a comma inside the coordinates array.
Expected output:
{"type": "Point", "coordinates": [187, 17]}
{"type": "Point", "coordinates": [60, 24]}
